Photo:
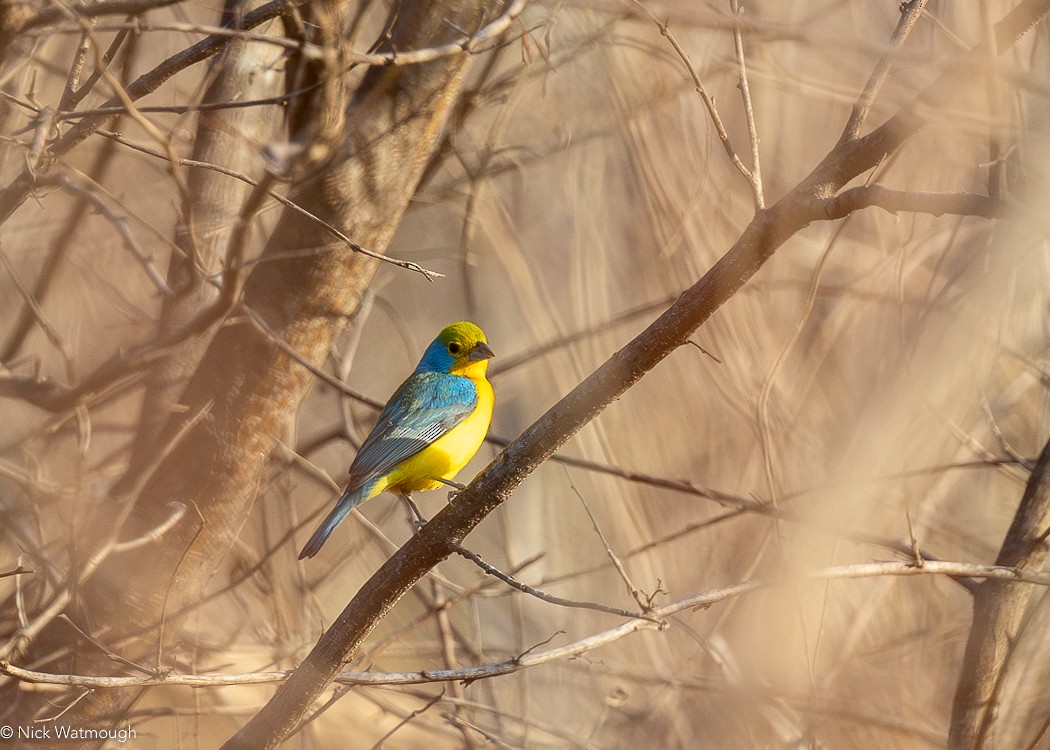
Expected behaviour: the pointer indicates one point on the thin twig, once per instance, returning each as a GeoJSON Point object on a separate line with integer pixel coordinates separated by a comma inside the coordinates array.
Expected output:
{"type": "Point", "coordinates": [177, 509]}
{"type": "Point", "coordinates": [505, 364]}
{"type": "Point", "coordinates": [549, 598]}
{"type": "Point", "coordinates": [406, 720]}
{"type": "Point", "coordinates": [644, 602]}
{"type": "Point", "coordinates": [80, 184]}
{"type": "Point", "coordinates": [260, 323]}
{"type": "Point", "coordinates": [448, 654]}
{"type": "Point", "coordinates": [755, 177]}
{"type": "Point", "coordinates": [109, 653]}
{"type": "Point", "coordinates": [65, 709]}
{"type": "Point", "coordinates": [182, 109]}
{"type": "Point", "coordinates": [85, 88]}
{"type": "Point", "coordinates": [25, 634]}
{"type": "Point", "coordinates": [50, 332]}
{"type": "Point", "coordinates": [18, 571]}
{"type": "Point", "coordinates": [288, 203]}
{"type": "Point", "coordinates": [1004, 444]}
{"type": "Point", "coordinates": [698, 84]}
{"type": "Point", "coordinates": [910, 13]}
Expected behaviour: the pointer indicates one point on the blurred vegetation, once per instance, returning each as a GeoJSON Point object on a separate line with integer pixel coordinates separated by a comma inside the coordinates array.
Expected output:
{"type": "Point", "coordinates": [879, 384]}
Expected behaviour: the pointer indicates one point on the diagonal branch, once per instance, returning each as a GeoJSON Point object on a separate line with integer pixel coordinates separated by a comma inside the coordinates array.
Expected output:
{"type": "Point", "coordinates": [911, 11]}
{"type": "Point", "coordinates": [999, 612]}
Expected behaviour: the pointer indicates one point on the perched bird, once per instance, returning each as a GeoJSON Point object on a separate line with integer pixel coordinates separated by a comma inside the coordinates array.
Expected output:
{"type": "Point", "coordinates": [430, 428]}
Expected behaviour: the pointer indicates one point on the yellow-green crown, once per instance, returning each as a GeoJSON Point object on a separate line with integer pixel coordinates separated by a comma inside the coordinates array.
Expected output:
{"type": "Point", "coordinates": [464, 332]}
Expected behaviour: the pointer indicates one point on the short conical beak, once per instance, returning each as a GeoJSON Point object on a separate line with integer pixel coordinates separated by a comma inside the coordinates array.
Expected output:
{"type": "Point", "coordinates": [481, 351]}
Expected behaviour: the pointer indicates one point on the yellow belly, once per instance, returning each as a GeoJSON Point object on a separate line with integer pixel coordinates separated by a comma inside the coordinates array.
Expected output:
{"type": "Point", "coordinates": [444, 458]}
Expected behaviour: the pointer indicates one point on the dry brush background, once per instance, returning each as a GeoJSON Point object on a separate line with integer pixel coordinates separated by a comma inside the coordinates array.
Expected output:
{"type": "Point", "coordinates": [879, 384]}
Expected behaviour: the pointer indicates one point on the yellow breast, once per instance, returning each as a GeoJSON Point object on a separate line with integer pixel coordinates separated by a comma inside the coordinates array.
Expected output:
{"type": "Point", "coordinates": [444, 458]}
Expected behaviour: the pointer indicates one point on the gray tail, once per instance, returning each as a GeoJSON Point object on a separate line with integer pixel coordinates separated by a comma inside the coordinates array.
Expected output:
{"type": "Point", "coordinates": [346, 503]}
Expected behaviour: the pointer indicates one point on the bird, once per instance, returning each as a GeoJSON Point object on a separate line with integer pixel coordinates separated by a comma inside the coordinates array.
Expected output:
{"type": "Point", "coordinates": [429, 429]}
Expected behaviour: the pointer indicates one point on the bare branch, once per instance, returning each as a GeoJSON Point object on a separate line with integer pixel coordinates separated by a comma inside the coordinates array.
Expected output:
{"type": "Point", "coordinates": [707, 99]}
{"type": "Point", "coordinates": [755, 176]}
{"type": "Point", "coordinates": [334, 231]}
{"type": "Point", "coordinates": [466, 43]}
{"type": "Point", "coordinates": [94, 10]}
{"type": "Point", "coordinates": [116, 371]}
{"type": "Point", "coordinates": [644, 602]}
{"type": "Point", "coordinates": [658, 621]}
{"type": "Point", "coordinates": [895, 201]}
{"type": "Point", "coordinates": [999, 613]}
{"type": "Point", "coordinates": [80, 184]}
{"type": "Point", "coordinates": [911, 11]}
{"type": "Point", "coordinates": [541, 595]}
{"type": "Point", "coordinates": [18, 571]}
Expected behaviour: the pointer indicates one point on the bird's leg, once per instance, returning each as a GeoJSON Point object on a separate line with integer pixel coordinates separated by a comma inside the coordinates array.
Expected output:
{"type": "Point", "coordinates": [420, 519]}
{"type": "Point", "coordinates": [459, 488]}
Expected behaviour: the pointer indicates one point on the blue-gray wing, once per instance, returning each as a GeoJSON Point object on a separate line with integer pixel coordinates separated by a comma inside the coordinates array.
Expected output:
{"type": "Point", "coordinates": [422, 409]}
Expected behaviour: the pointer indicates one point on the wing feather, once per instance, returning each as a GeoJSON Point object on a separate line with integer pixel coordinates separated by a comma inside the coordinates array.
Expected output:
{"type": "Point", "coordinates": [425, 407]}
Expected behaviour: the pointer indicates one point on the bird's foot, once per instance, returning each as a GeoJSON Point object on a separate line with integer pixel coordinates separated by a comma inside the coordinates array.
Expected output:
{"type": "Point", "coordinates": [418, 520]}
{"type": "Point", "coordinates": [457, 488]}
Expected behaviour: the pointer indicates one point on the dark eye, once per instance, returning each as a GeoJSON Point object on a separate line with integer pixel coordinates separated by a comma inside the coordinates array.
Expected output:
{"type": "Point", "coordinates": [454, 348]}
